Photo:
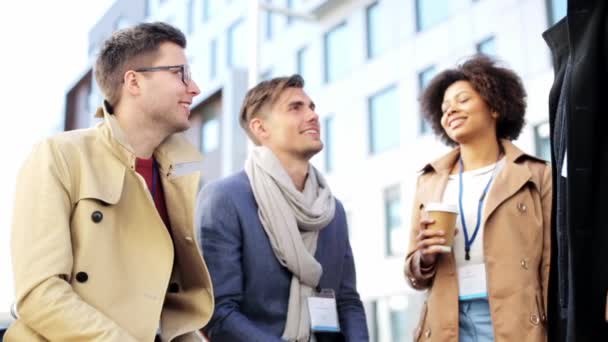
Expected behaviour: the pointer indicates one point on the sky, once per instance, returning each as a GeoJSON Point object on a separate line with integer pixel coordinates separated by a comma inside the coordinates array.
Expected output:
{"type": "Point", "coordinates": [42, 56]}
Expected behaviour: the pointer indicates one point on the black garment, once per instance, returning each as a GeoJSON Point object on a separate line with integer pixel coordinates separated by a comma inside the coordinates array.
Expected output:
{"type": "Point", "coordinates": [578, 117]}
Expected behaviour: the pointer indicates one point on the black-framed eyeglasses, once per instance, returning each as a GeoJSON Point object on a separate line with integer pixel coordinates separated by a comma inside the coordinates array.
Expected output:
{"type": "Point", "coordinates": [183, 69]}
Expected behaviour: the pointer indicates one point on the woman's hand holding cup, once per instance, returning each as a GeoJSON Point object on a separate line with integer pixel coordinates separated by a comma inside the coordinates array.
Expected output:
{"type": "Point", "coordinates": [437, 231]}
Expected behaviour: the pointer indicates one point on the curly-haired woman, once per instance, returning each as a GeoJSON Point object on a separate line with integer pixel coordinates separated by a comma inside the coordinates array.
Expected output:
{"type": "Point", "coordinates": [493, 283]}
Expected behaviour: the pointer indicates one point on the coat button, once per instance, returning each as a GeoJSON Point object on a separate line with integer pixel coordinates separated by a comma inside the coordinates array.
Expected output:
{"type": "Point", "coordinates": [427, 333]}
{"type": "Point", "coordinates": [521, 207]}
{"type": "Point", "coordinates": [534, 319]}
{"type": "Point", "coordinates": [524, 264]}
{"type": "Point", "coordinates": [97, 216]}
{"type": "Point", "coordinates": [82, 277]}
{"type": "Point", "coordinates": [189, 239]}
{"type": "Point", "coordinates": [173, 288]}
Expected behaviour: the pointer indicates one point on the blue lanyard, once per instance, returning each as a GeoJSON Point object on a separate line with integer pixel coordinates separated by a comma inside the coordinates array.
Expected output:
{"type": "Point", "coordinates": [468, 242]}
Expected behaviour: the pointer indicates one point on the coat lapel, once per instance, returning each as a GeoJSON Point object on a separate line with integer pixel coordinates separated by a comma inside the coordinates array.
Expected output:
{"type": "Point", "coordinates": [442, 168]}
{"type": "Point", "coordinates": [509, 180]}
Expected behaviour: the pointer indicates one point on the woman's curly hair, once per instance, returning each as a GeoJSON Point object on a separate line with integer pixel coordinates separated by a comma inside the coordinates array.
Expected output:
{"type": "Point", "coordinates": [499, 87]}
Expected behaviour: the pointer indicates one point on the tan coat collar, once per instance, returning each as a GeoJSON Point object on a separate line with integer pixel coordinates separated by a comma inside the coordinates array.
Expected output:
{"type": "Point", "coordinates": [173, 152]}
{"type": "Point", "coordinates": [508, 181]}
{"type": "Point", "coordinates": [446, 162]}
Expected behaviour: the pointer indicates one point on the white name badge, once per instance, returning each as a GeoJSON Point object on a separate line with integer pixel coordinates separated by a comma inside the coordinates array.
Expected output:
{"type": "Point", "coordinates": [323, 312]}
{"type": "Point", "coordinates": [472, 282]}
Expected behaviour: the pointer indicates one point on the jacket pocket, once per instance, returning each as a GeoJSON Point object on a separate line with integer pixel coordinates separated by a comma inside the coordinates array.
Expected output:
{"type": "Point", "coordinates": [418, 333]}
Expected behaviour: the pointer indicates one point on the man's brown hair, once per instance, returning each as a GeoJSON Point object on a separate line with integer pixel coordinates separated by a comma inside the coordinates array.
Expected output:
{"type": "Point", "coordinates": [127, 47]}
{"type": "Point", "coordinates": [263, 96]}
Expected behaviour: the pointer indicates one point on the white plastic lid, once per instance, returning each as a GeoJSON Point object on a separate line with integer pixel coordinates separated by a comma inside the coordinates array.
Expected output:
{"type": "Point", "coordinates": [436, 206]}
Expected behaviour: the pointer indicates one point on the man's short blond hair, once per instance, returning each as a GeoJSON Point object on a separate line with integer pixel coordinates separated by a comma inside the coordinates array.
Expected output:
{"type": "Point", "coordinates": [263, 96]}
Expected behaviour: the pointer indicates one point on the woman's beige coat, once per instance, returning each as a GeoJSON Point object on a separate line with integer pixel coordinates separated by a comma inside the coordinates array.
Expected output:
{"type": "Point", "coordinates": [516, 245]}
{"type": "Point", "coordinates": [93, 260]}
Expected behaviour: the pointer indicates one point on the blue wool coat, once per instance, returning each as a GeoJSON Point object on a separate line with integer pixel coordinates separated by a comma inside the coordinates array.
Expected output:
{"type": "Point", "coordinates": [251, 286]}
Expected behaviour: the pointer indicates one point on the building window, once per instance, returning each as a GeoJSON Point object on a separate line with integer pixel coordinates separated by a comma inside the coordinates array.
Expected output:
{"type": "Point", "coordinates": [430, 13]}
{"type": "Point", "coordinates": [394, 318]}
{"type": "Point", "coordinates": [556, 10]}
{"type": "Point", "coordinates": [210, 9]}
{"type": "Point", "coordinates": [487, 46]}
{"type": "Point", "coordinates": [236, 54]}
{"type": "Point", "coordinates": [398, 315]}
{"type": "Point", "coordinates": [268, 22]}
{"type": "Point", "coordinates": [121, 23]}
{"type": "Point", "coordinates": [213, 59]}
{"type": "Point", "coordinates": [542, 141]}
{"type": "Point", "coordinates": [337, 53]}
{"type": "Point", "coordinates": [190, 16]}
{"type": "Point", "coordinates": [267, 75]}
{"type": "Point", "coordinates": [349, 223]}
{"type": "Point", "coordinates": [384, 122]}
{"type": "Point", "coordinates": [396, 237]}
{"type": "Point", "coordinates": [272, 22]}
{"type": "Point", "coordinates": [329, 140]}
{"type": "Point", "coordinates": [289, 6]}
{"type": "Point", "coordinates": [149, 7]}
{"type": "Point", "coordinates": [95, 98]}
{"type": "Point", "coordinates": [210, 135]}
{"type": "Point", "coordinates": [377, 37]}
{"type": "Point", "coordinates": [424, 77]}
{"type": "Point", "coordinates": [303, 64]}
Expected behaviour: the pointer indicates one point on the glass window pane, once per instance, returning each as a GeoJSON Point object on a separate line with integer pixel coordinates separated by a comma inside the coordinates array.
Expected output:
{"type": "Point", "coordinates": [213, 59]}
{"type": "Point", "coordinates": [377, 35]}
{"type": "Point", "coordinates": [399, 316]}
{"type": "Point", "coordinates": [557, 10]}
{"type": "Point", "coordinates": [424, 77]}
{"type": "Point", "coordinates": [268, 23]}
{"type": "Point", "coordinates": [543, 143]}
{"type": "Point", "coordinates": [289, 6]}
{"type": "Point", "coordinates": [210, 9]}
{"type": "Point", "coordinates": [487, 46]}
{"type": "Point", "coordinates": [430, 13]}
{"type": "Point", "coordinates": [265, 76]}
{"type": "Point", "coordinates": [237, 55]}
{"type": "Point", "coordinates": [384, 121]}
{"type": "Point", "coordinates": [210, 135]}
{"type": "Point", "coordinates": [337, 53]}
{"type": "Point", "coordinates": [303, 64]}
{"type": "Point", "coordinates": [395, 231]}
{"type": "Point", "coordinates": [329, 142]}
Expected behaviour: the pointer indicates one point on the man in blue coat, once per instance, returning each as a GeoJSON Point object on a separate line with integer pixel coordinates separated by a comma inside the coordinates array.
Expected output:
{"type": "Point", "coordinates": [275, 238]}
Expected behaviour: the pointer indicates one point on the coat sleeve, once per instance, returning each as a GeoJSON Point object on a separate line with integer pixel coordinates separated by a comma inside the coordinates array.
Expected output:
{"type": "Point", "coordinates": [350, 309]}
{"type": "Point", "coordinates": [546, 202]}
{"type": "Point", "coordinates": [42, 255]}
{"type": "Point", "coordinates": [221, 243]}
{"type": "Point", "coordinates": [417, 277]}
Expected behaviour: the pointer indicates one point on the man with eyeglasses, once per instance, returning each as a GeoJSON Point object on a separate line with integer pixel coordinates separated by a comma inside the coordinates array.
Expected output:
{"type": "Point", "coordinates": [103, 243]}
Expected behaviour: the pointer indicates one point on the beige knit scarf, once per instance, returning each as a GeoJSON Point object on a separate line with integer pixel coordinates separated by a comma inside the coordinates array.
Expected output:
{"type": "Point", "coordinates": [292, 220]}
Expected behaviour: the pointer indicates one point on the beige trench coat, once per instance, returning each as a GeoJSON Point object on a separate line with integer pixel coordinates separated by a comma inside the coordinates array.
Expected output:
{"type": "Point", "coordinates": [516, 245]}
{"type": "Point", "coordinates": [93, 260]}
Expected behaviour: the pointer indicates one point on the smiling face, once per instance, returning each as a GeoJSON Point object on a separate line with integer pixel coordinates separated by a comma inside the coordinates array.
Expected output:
{"type": "Point", "coordinates": [291, 126]}
{"type": "Point", "coordinates": [165, 98]}
{"type": "Point", "coordinates": [466, 116]}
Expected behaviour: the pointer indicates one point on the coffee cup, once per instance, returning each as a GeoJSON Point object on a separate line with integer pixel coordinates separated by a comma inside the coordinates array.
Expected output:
{"type": "Point", "coordinates": [445, 219]}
